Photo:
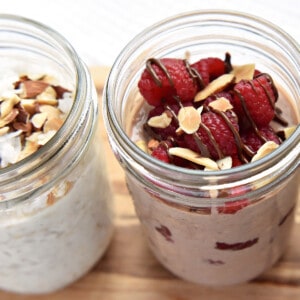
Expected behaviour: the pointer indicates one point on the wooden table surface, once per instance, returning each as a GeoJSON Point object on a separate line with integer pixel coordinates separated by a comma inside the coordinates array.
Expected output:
{"type": "Point", "coordinates": [128, 270]}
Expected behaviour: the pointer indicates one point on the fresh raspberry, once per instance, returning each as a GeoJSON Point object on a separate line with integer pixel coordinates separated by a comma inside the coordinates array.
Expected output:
{"type": "Point", "coordinates": [236, 161]}
{"type": "Point", "coordinates": [259, 97]}
{"type": "Point", "coordinates": [209, 68]}
{"type": "Point", "coordinates": [251, 139]}
{"type": "Point", "coordinates": [219, 131]}
{"type": "Point", "coordinates": [180, 83]}
{"type": "Point", "coordinates": [161, 153]}
{"type": "Point", "coordinates": [256, 73]}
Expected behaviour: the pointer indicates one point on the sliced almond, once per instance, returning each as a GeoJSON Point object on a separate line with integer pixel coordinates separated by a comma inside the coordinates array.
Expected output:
{"type": "Point", "coordinates": [40, 138]}
{"type": "Point", "coordinates": [29, 105]}
{"type": "Point", "coordinates": [53, 124]}
{"type": "Point", "coordinates": [59, 191]}
{"type": "Point", "coordinates": [34, 137]}
{"type": "Point", "coordinates": [193, 157]}
{"type": "Point", "coordinates": [221, 104]}
{"type": "Point", "coordinates": [52, 102]}
{"type": "Point", "coordinates": [39, 119]}
{"type": "Point", "coordinates": [200, 110]}
{"type": "Point", "coordinates": [179, 131]}
{"type": "Point", "coordinates": [32, 88]}
{"type": "Point", "coordinates": [62, 189]}
{"type": "Point", "coordinates": [189, 119]}
{"type": "Point", "coordinates": [152, 144]}
{"type": "Point", "coordinates": [224, 163]}
{"type": "Point", "coordinates": [4, 130]}
{"type": "Point", "coordinates": [213, 193]}
{"type": "Point", "coordinates": [288, 131]}
{"type": "Point", "coordinates": [43, 138]}
{"type": "Point", "coordinates": [264, 150]}
{"type": "Point", "coordinates": [142, 145]}
{"type": "Point", "coordinates": [49, 94]}
{"type": "Point", "coordinates": [215, 86]}
{"type": "Point", "coordinates": [187, 55]}
{"type": "Point", "coordinates": [9, 118]}
{"type": "Point", "coordinates": [161, 121]}
{"type": "Point", "coordinates": [34, 76]}
{"type": "Point", "coordinates": [30, 147]}
{"type": "Point", "coordinates": [51, 111]}
{"type": "Point", "coordinates": [49, 79]}
{"type": "Point", "coordinates": [243, 72]}
{"type": "Point", "coordinates": [51, 199]}
{"type": "Point", "coordinates": [8, 104]}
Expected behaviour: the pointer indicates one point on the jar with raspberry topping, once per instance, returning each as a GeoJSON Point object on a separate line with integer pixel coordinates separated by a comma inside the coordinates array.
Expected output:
{"type": "Point", "coordinates": [55, 201]}
{"type": "Point", "coordinates": [209, 226]}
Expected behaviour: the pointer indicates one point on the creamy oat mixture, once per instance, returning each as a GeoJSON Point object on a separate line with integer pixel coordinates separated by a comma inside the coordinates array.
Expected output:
{"type": "Point", "coordinates": [213, 246]}
{"type": "Point", "coordinates": [56, 237]}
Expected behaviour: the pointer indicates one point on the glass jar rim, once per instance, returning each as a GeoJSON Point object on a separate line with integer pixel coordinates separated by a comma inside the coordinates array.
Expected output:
{"type": "Point", "coordinates": [115, 128]}
{"type": "Point", "coordinates": [56, 141]}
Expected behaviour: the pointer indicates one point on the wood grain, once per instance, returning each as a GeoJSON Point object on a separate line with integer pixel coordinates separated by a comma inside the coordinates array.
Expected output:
{"type": "Point", "coordinates": [128, 270]}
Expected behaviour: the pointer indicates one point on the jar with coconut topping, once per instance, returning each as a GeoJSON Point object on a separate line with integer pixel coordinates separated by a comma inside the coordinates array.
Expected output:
{"type": "Point", "coordinates": [55, 200]}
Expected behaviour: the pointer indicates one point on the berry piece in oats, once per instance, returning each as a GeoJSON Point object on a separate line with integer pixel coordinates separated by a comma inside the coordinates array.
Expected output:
{"type": "Point", "coordinates": [216, 133]}
{"type": "Point", "coordinates": [231, 207]}
{"type": "Point", "coordinates": [254, 100]}
{"type": "Point", "coordinates": [165, 78]}
{"type": "Point", "coordinates": [161, 153]}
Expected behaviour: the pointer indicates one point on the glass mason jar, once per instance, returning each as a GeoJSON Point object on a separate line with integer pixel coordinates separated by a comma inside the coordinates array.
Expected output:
{"type": "Point", "coordinates": [199, 224]}
{"type": "Point", "coordinates": [55, 205]}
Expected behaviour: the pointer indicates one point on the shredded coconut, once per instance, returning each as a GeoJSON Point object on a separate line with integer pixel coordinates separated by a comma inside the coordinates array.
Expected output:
{"type": "Point", "coordinates": [10, 148]}
{"type": "Point", "coordinates": [66, 103]}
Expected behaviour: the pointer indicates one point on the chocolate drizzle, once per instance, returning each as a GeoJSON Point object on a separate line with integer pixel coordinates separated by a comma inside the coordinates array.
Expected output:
{"type": "Point", "coordinates": [158, 63]}
{"type": "Point", "coordinates": [240, 145]}
{"type": "Point", "coordinates": [278, 113]}
{"type": "Point", "coordinates": [248, 115]}
{"type": "Point", "coordinates": [212, 141]}
{"type": "Point", "coordinates": [278, 117]}
{"type": "Point", "coordinates": [227, 61]}
{"type": "Point", "coordinates": [195, 75]}
{"type": "Point", "coordinates": [272, 103]}
{"type": "Point", "coordinates": [271, 99]}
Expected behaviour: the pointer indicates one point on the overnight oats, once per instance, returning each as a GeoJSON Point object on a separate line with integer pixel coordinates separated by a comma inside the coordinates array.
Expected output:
{"type": "Point", "coordinates": [55, 201]}
{"type": "Point", "coordinates": [204, 119]}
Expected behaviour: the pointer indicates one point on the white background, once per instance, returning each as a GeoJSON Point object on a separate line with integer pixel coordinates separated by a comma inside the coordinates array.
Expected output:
{"type": "Point", "coordinates": [100, 29]}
